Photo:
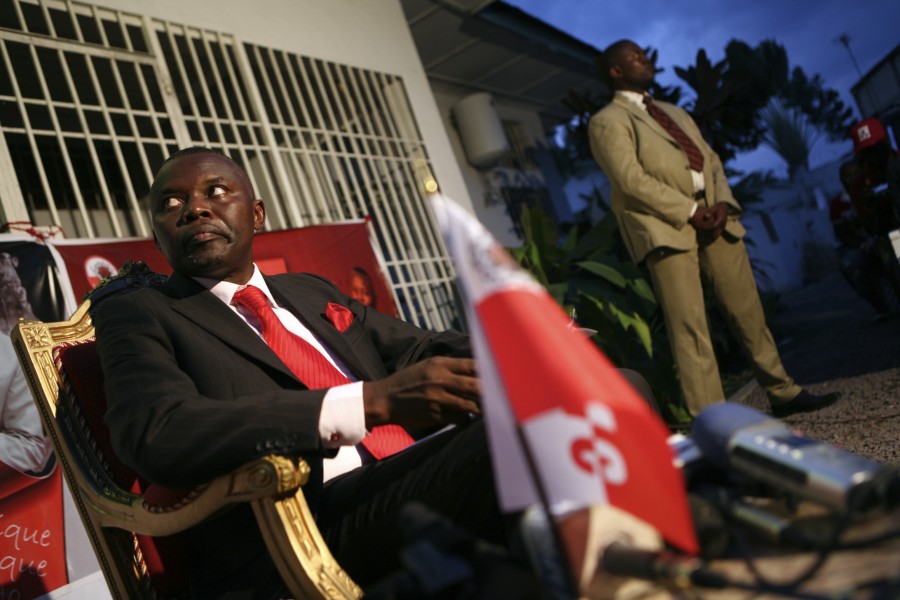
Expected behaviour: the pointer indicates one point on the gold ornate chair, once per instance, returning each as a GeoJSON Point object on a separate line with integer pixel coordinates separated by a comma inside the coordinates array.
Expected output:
{"type": "Point", "coordinates": [136, 528]}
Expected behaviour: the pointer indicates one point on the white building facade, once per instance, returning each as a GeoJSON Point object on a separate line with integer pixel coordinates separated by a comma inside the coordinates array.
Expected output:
{"type": "Point", "coordinates": [325, 103]}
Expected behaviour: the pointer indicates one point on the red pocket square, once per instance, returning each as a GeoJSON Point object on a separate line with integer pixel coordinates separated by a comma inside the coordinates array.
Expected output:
{"type": "Point", "coordinates": [340, 316]}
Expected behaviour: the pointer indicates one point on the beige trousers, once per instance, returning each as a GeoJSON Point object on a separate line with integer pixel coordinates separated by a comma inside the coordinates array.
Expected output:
{"type": "Point", "coordinates": [725, 266]}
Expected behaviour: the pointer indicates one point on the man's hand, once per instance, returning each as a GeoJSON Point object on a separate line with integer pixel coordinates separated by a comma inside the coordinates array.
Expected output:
{"type": "Point", "coordinates": [435, 391]}
{"type": "Point", "coordinates": [710, 221]}
{"type": "Point", "coordinates": [699, 218]}
{"type": "Point", "coordinates": [717, 217]}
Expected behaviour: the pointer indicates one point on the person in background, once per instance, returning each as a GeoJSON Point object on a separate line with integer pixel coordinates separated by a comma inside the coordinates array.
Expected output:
{"type": "Point", "coordinates": [876, 196]}
{"type": "Point", "coordinates": [876, 188]}
{"type": "Point", "coordinates": [362, 288]}
{"type": "Point", "coordinates": [677, 216]}
{"type": "Point", "coordinates": [857, 258]}
{"type": "Point", "coordinates": [23, 446]}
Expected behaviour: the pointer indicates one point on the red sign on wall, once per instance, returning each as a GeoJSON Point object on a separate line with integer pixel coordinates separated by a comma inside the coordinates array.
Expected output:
{"type": "Point", "coordinates": [340, 252]}
{"type": "Point", "coordinates": [32, 542]}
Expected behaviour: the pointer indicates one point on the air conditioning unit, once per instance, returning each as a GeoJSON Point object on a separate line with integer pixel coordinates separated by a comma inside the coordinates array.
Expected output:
{"type": "Point", "coordinates": [480, 129]}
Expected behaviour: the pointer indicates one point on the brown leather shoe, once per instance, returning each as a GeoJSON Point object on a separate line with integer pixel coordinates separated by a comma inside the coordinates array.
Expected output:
{"type": "Point", "coordinates": [804, 402]}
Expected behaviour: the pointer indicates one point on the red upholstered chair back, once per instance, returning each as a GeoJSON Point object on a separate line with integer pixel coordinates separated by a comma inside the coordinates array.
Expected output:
{"type": "Point", "coordinates": [162, 559]}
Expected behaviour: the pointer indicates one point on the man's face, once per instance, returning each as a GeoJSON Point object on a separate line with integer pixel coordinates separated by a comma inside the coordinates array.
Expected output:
{"type": "Point", "coordinates": [874, 159]}
{"type": "Point", "coordinates": [361, 289]}
{"type": "Point", "coordinates": [204, 217]}
{"type": "Point", "coordinates": [631, 68]}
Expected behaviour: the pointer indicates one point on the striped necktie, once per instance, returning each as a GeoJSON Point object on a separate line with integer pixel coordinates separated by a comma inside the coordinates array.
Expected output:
{"type": "Point", "coordinates": [695, 157]}
{"type": "Point", "coordinates": [312, 368]}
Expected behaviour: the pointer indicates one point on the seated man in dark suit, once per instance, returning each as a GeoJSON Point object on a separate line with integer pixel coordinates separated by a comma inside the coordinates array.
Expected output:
{"type": "Point", "coordinates": [222, 364]}
{"type": "Point", "coordinates": [197, 386]}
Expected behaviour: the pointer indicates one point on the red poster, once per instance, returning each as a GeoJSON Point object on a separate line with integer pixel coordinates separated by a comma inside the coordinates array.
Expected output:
{"type": "Point", "coordinates": [32, 542]}
{"type": "Point", "coordinates": [88, 261]}
{"type": "Point", "coordinates": [341, 252]}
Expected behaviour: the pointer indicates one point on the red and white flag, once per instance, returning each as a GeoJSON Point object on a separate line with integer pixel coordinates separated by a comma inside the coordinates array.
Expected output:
{"type": "Point", "coordinates": [552, 400]}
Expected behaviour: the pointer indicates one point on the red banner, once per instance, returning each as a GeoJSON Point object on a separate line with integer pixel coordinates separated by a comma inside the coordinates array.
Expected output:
{"type": "Point", "coordinates": [341, 252]}
{"type": "Point", "coordinates": [32, 542]}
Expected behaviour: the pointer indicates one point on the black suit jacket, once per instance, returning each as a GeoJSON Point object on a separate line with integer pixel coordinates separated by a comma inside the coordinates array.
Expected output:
{"type": "Point", "coordinates": [193, 392]}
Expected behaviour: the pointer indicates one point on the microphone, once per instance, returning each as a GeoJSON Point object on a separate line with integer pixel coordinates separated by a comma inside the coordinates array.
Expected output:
{"type": "Point", "coordinates": [709, 526]}
{"type": "Point", "coordinates": [768, 526]}
{"type": "Point", "coordinates": [621, 559]}
{"type": "Point", "coordinates": [620, 549]}
{"type": "Point", "coordinates": [734, 509]}
{"type": "Point", "coordinates": [737, 437]}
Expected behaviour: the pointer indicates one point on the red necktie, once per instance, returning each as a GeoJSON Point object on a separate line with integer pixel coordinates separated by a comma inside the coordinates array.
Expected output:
{"type": "Point", "coordinates": [312, 368]}
{"type": "Point", "coordinates": [695, 157]}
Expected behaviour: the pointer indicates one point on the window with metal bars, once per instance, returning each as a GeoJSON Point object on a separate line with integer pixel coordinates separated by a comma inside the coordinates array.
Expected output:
{"type": "Point", "coordinates": [86, 121]}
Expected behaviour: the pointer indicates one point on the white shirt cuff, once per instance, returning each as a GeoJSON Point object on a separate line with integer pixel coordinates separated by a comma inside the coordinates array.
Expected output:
{"type": "Point", "coordinates": [342, 421]}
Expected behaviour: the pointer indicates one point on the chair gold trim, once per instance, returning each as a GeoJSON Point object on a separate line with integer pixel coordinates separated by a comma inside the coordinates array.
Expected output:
{"type": "Point", "coordinates": [112, 516]}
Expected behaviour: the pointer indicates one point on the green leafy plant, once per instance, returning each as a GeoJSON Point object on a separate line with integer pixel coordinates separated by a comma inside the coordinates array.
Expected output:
{"type": "Point", "coordinates": [587, 272]}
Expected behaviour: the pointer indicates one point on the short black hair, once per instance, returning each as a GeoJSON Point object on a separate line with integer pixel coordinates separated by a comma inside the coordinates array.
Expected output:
{"type": "Point", "coordinates": [609, 58]}
{"type": "Point", "coordinates": [192, 150]}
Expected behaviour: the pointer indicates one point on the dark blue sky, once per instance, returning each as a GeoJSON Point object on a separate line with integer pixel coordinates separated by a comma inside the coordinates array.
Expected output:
{"type": "Point", "coordinates": [678, 28]}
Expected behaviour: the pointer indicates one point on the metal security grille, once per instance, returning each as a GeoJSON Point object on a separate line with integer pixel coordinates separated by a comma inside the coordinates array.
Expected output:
{"type": "Point", "coordinates": [92, 100]}
{"type": "Point", "coordinates": [220, 109]}
{"type": "Point", "coordinates": [350, 144]}
{"type": "Point", "coordinates": [82, 117]}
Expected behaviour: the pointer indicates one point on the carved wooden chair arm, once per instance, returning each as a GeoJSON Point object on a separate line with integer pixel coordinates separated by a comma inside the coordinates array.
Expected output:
{"type": "Point", "coordinates": [160, 512]}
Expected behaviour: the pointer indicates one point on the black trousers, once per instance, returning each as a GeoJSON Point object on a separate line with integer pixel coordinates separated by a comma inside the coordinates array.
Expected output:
{"type": "Point", "coordinates": [359, 512]}
{"type": "Point", "coordinates": [359, 517]}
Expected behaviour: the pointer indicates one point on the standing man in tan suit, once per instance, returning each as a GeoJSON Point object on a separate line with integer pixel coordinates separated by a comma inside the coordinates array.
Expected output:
{"type": "Point", "coordinates": [677, 214]}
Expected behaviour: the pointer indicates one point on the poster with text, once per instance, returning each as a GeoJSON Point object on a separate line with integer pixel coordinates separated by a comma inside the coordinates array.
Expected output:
{"type": "Point", "coordinates": [32, 540]}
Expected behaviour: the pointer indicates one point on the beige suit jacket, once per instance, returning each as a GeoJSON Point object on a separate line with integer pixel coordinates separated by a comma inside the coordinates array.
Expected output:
{"type": "Point", "coordinates": [652, 189]}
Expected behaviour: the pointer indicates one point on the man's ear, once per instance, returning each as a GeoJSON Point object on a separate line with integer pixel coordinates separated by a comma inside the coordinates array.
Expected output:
{"type": "Point", "coordinates": [156, 241]}
{"type": "Point", "coordinates": [615, 72]}
{"type": "Point", "coordinates": [259, 215]}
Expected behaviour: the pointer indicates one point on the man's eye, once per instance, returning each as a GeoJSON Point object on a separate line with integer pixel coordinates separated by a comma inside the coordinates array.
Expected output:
{"type": "Point", "coordinates": [217, 190]}
{"type": "Point", "coordinates": [171, 202]}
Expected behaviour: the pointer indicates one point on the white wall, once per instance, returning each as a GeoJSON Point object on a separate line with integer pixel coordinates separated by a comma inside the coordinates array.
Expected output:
{"type": "Point", "coordinates": [494, 217]}
{"type": "Point", "coordinates": [371, 34]}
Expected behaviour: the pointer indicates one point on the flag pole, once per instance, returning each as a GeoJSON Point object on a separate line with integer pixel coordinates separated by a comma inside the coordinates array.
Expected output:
{"type": "Point", "coordinates": [571, 587]}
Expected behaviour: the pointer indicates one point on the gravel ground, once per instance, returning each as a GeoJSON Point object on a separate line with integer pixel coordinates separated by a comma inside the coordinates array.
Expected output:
{"type": "Point", "coordinates": [830, 342]}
